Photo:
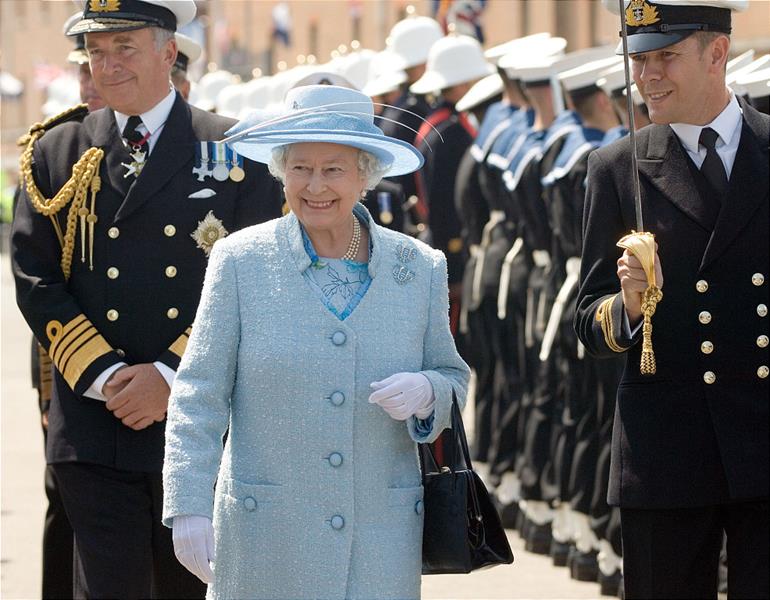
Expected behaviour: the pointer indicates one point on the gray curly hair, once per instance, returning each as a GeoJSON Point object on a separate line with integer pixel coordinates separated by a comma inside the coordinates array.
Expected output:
{"type": "Point", "coordinates": [369, 166]}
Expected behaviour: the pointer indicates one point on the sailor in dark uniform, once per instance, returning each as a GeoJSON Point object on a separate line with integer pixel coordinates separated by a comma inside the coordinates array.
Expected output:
{"type": "Point", "coordinates": [188, 51]}
{"type": "Point", "coordinates": [690, 440]}
{"type": "Point", "coordinates": [580, 396]}
{"type": "Point", "coordinates": [455, 63]}
{"type": "Point", "coordinates": [109, 249]}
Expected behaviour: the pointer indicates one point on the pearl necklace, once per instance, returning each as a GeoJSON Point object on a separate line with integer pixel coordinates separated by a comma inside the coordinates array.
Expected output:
{"type": "Point", "coordinates": [355, 241]}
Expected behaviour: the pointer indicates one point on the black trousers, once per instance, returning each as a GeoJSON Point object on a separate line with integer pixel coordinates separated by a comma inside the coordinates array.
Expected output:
{"type": "Point", "coordinates": [57, 544]}
{"type": "Point", "coordinates": [675, 553]}
{"type": "Point", "coordinates": [122, 550]}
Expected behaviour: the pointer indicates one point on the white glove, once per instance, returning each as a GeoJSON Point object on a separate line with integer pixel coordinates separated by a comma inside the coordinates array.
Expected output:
{"type": "Point", "coordinates": [193, 537]}
{"type": "Point", "coordinates": [404, 395]}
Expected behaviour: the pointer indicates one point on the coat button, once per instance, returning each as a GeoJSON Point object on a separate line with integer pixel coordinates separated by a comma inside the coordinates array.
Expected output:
{"type": "Point", "coordinates": [113, 232]}
{"type": "Point", "coordinates": [702, 285]}
{"type": "Point", "coordinates": [337, 522]}
{"type": "Point", "coordinates": [337, 398]}
{"type": "Point", "coordinates": [113, 273]}
{"type": "Point", "coordinates": [757, 279]}
{"type": "Point", "coordinates": [169, 230]}
{"type": "Point", "coordinates": [249, 504]}
{"type": "Point", "coordinates": [112, 315]}
{"type": "Point", "coordinates": [762, 341]}
{"type": "Point", "coordinates": [172, 313]}
{"type": "Point", "coordinates": [339, 338]}
{"type": "Point", "coordinates": [762, 310]}
{"type": "Point", "coordinates": [171, 271]}
{"type": "Point", "coordinates": [763, 371]}
{"type": "Point", "coordinates": [707, 347]}
{"type": "Point", "coordinates": [709, 377]}
{"type": "Point", "coordinates": [705, 317]}
{"type": "Point", "coordinates": [419, 507]}
{"type": "Point", "coordinates": [335, 459]}
{"type": "Point", "coordinates": [120, 352]}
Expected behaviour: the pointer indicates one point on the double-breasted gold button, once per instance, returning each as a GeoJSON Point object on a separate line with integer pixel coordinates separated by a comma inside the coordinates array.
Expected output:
{"type": "Point", "coordinates": [702, 285]}
{"type": "Point", "coordinates": [762, 341]}
{"type": "Point", "coordinates": [169, 230]}
{"type": "Point", "coordinates": [763, 372]}
{"type": "Point", "coordinates": [707, 347]}
{"type": "Point", "coordinates": [172, 313]}
{"type": "Point", "coordinates": [704, 317]}
{"type": "Point", "coordinates": [709, 377]}
{"type": "Point", "coordinates": [113, 273]}
{"type": "Point", "coordinates": [762, 310]}
{"type": "Point", "coordinates": [171, 271]}
{"type": "Point", "coordinates": [757, 279]}
{"type": "Point", "coordinates": [112, 315]}
{"type": "Point", "coordinates": [113, 232]}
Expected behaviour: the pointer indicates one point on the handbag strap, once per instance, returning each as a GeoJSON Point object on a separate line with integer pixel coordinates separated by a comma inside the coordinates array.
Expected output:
{"type": "Point", "coordinates": [459, 440]}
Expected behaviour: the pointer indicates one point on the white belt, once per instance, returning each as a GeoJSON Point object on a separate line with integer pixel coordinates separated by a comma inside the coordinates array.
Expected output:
{"type": "Point", "coordinates": [495, 218]}
{"type": "Point", "coordinates": [541, 258]}
{"type": "Point", "coordinates": [505, 278]}
{"type": "Point", "coordinates": [475, 252]}
{"type": "Point", "coordinates": [573, 275]}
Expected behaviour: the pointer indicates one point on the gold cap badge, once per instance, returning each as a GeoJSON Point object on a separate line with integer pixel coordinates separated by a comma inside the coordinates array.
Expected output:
{"type": "Point", "coordinates": [105, 5]}
{"type": "Point", "coordinates": [639, 13]}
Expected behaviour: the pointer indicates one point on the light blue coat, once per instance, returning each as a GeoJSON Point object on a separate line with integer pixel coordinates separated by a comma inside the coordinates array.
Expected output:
{"type": "Point", "coordinates": [318, 494]}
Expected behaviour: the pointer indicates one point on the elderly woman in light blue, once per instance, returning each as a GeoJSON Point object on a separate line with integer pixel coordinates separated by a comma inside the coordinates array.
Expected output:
{"type": "Point", "coordinates": [322, 346]}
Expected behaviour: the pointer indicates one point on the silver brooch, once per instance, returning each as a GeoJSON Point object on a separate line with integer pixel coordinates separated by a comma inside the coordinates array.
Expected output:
{"type": "Point", "coordinates": [402, 275]}
{"type": "Point", "coordinates": [406, 254]}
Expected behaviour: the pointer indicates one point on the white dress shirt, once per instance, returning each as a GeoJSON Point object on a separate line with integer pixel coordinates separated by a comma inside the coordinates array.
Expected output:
{"type": "Point", "coordinates": [152, 122]}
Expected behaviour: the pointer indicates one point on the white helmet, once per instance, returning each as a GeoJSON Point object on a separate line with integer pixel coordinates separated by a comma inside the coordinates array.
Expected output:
{"type": "Point", "coordinates": [454, 59]}
{"type": "Point", "coordinates": [410, 40]}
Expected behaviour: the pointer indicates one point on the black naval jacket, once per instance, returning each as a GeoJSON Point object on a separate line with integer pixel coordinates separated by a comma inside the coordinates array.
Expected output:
{"type": "Point", "coordinates": [679, 439]}
{"type": "Point", "coordinates": [138, 303]}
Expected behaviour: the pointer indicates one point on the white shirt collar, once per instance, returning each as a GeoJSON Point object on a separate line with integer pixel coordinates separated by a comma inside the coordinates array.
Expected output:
{"type": "Point", "coordinates": [725, 124]}
{"type": "Point", "coordinates": [154, 118]}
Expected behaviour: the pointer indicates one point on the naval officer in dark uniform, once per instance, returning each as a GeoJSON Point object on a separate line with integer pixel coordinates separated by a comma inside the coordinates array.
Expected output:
{"type": "Point", "coordinates": [119, 210]}
{"type": "Point", "coordinates": [690, 442]}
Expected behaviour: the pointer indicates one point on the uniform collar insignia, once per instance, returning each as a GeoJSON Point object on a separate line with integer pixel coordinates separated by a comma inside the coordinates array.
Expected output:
{"type": "Point", "coordinates": [639, 14]}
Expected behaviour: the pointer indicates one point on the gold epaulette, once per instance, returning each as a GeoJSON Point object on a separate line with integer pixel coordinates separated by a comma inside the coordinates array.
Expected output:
{"type": "Point", "coordinates": [85, 178]}
{"type": "Point", "coordinates": [78, 111]}
{"type": "Point", "coordinates": [604, 316]}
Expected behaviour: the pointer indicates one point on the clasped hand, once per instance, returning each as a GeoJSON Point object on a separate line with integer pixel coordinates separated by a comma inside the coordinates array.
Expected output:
{"type": "Point", "coordinates": [404, 395]}
{"type": "Point", "coordinates": [633, 283]}
{"type": "Point", "coordinates": [193, 537]}
{"type": "Point", "coordinates": [137, 395]}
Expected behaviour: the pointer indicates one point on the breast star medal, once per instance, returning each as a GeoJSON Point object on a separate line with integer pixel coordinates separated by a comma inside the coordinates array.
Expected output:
{"type": "Point", "coordinates": [209, 230]}
{"type": "Point", "coordinates": [135, 167]}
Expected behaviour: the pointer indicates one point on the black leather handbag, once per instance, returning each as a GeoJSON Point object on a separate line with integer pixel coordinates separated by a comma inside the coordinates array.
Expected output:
{"type": "Point", "coordinates": [462, 530]}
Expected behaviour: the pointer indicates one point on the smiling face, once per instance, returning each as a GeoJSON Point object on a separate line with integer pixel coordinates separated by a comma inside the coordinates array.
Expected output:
{"type": "Point", "coordinates": [129, 73]}
{"type": "Point", "coordinates": [683, 83]}
{"type": "Point", "coordinates": [323, 184]}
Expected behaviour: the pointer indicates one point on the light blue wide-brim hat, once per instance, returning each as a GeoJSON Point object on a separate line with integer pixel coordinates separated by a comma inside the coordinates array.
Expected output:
{"type": "Point", "coordinates": [322, 113]}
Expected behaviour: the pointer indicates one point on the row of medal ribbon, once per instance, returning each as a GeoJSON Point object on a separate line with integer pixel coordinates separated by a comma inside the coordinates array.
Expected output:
{"type": "Point", "coordinates": [218, 160]}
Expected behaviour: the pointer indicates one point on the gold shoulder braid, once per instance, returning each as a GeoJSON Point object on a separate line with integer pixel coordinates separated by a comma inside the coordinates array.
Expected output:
{"type": "Point", "coordinates": [642, 245]}
{"type": "Point", "coordinates": [85, 177]}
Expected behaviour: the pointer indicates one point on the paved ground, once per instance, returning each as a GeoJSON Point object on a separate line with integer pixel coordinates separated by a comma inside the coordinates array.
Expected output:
{"type": "Point", "coordinates": [23, 500]}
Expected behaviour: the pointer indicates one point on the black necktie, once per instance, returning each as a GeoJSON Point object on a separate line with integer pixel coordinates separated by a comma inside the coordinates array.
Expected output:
{"type": "Point", "coordinates": [713, 168]}
{"type": "Point", "coordinates": [131, 134]}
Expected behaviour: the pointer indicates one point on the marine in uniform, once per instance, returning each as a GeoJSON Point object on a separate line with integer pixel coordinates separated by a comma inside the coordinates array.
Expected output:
{"type": "Point", "coordinates": [690, 441]}
{"type": "Point", "coordinates": [109, 249]}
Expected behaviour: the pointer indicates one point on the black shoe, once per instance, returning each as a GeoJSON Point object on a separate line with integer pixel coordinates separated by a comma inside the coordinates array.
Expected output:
{"type": "Point", "coordinates": [509, 515]}
{"type": "Point", "coordinates": [559, 553]}
{"type": "Point", "coordinates": [571, 556]}
{"type": "Point", "coordinates": [621, 589]}
{"type": "Point", "coordinates": [522, 525]}
{"type": "Point", "coordinates": [609, 585]}
{"type": "Point", "coordinates": [538, 540]}
{"type": "Point", "coordinates": [585, 567]}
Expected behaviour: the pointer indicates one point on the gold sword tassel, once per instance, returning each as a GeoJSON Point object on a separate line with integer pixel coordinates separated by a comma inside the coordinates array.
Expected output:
{"type": "Point", "coordinates": [642, 245]}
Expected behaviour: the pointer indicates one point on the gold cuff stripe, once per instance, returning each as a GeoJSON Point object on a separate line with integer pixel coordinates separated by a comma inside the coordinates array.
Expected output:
{"type": "Point", "coordinates": [75, 348]}
{"type": "Point", "coordinates": [180, 345]}
{"type": "Point", "coordinates": [94, 348]}
{"type": "Point", "coordinates": [63, 343]}
{"type": "Point", "coordinates": [604, 316]}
